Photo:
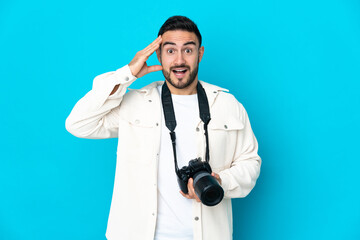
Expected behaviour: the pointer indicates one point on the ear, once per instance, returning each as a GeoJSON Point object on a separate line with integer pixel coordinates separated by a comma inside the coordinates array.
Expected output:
{"type": "Point", "coordinates": [201, 53]}
{"type": "Point", "coordinates": [158, 55]}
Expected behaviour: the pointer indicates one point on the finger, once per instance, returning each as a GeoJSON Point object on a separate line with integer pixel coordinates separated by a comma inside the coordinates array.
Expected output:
{"type": "Point", "coordinates": [216, 176]}
{"type": "Point", "coordinates": [151, 49]}
{"type": "Point", "coordinates": [191, 189]}
{"type": "Point", "coordinates": [158, 39]}
{"type": "Point", "coordinates": [154, 68]}
{"type": "Point", "coordinates": [185, 195]}
{"type": "Point", "coordinates": [156, 42]}
{"type": "Point", "coordinates": [196, 197]}
{"type": "Point", "coordinates": [190, 184]}
{"type": "Point", "coordinates": [146, 53]}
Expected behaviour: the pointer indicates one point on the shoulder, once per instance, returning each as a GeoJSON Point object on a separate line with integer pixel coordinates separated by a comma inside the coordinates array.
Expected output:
{"type": "Point", "coordinates": [226, 111]}
{"type": "Point", "coordinates": [148, 90]}
{"type": "Point", "coordinates": [140, 105]}
{"type": "Point", "coordinates": [221, 96]}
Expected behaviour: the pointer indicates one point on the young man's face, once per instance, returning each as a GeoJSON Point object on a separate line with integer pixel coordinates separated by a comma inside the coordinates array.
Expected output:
{"type": "Point", "coordinates": [179, 55]}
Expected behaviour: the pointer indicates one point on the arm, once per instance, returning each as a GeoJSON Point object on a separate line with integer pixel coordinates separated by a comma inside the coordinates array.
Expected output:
{"type": "Point", "coordinates": [96, 115]}
{"type": "Point", "coordinates": [240, 178]}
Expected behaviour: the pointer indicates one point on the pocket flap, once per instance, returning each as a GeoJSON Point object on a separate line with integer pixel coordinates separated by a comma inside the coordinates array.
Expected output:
{"type": "Point", "coordinates": [226, 124]}
{"type": "Point", "coordinates": [139, 122]}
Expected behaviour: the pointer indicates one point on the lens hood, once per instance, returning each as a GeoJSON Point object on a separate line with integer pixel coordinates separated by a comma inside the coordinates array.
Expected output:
{"type": "Point", "coordinates": [208, 189]}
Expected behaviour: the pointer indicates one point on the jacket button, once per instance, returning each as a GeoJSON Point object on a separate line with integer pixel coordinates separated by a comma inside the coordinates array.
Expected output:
{"type": "Point", "coordinates": [197, 129]}
{"type": "Point", "coordinates": [225, 126]}
{"type": "Point", "coordinates": [196, 218]}
{"type": "Point", "coordinates": [126, 78]}
{"type": "Point", "coordinates": [150, 100]}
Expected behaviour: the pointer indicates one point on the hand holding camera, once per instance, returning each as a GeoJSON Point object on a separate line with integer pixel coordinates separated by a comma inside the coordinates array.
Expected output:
{"type": "Point", "coordinates": [197, 181]}
{"type": "Point", "coordinates": [191, 191]}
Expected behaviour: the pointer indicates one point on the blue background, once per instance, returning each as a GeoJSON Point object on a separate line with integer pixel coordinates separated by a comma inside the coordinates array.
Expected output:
{"type": "Point", "coordinates": [293, 64]}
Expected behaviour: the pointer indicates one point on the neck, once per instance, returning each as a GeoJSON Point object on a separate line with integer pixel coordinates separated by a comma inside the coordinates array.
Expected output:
{"type": "Point", "coordinates": [189, 90]}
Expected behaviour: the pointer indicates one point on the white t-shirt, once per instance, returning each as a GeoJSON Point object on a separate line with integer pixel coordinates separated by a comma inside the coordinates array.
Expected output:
{"type": "Point", "coordinates": [174, 219]}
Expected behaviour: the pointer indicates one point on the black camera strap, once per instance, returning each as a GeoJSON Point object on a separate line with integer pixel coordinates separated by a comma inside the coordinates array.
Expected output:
{"type": "Point", "coordinates": [170, 120]}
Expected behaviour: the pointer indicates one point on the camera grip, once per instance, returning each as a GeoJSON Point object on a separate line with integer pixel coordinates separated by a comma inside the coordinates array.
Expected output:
{"type": "Point", "coordinates": [183, 185]}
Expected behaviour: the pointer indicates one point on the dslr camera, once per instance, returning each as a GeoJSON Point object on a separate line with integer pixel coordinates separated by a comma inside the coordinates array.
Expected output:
{"type": "Point", "coordinates": [206, 186]}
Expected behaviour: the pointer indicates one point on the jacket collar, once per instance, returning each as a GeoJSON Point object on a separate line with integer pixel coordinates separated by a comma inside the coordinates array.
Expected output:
{"type": "Point", "coordinates": [211, 90]}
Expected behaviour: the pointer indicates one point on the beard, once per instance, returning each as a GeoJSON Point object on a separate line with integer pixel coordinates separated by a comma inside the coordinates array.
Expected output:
{"type": "Point", "coordinates": [181, 84]}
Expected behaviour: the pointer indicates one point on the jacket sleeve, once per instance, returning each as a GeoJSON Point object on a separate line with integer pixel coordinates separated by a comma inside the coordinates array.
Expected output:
{"type": "Point", "coordinates": [238, 180]}
{"type": "Point", "coordinates": [96, 114]}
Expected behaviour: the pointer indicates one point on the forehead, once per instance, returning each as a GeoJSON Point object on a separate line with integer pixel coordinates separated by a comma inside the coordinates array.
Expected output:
{"type": "Point", "coordinates": [179, 37]}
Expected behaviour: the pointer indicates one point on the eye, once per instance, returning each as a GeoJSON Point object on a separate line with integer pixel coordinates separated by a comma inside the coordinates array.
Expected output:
{"type": "Point", "coordinates": [170, 51]}
{"type": "Point", "coordinates": [188, 50]}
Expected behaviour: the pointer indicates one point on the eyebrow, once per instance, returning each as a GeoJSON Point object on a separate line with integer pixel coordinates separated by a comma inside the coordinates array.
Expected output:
{"type": "Point", "coordinates": [191, 42]}
{"type": "Point", "coordinates": [172, 43]}
{"type": "Point", "coordinates": [168, 43]}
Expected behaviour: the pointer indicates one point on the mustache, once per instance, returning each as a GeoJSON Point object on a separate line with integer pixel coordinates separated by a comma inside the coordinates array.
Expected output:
{"type": "Point", "coordinates": [180, 66]}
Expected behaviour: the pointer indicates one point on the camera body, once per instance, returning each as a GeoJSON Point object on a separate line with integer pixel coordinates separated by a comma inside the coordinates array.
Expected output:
{"type": "Point", "coordinates": [206, 186]}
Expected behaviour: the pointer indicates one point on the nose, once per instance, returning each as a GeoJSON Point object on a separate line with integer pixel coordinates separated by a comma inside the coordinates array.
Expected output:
{"type": "Point", "coordinates": [179, 59]}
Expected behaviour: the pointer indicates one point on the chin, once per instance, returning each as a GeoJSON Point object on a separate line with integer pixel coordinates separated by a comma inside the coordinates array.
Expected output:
{"type": "Point", "coordinates": [180, 84]}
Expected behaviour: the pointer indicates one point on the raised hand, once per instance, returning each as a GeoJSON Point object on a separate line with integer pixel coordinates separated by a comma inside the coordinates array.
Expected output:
{"type": "Point", "coordinates": [138, 65]}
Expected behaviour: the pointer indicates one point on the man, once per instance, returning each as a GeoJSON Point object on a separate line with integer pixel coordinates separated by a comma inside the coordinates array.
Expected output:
{"type": "Point", "coordinates": [146, 202]}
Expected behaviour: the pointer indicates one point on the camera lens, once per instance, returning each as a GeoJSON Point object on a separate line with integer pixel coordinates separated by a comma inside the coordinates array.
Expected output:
{"type": "Point", "coordinates": [207, 188]}
{"type": "Point", "coordinates": [211, 194]}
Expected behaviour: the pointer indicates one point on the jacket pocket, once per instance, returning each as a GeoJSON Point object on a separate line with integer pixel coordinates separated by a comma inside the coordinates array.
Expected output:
{"type": "Point", "coordinates": [136, 140]}
{"type": "Point", "coordinates": [223, 141]}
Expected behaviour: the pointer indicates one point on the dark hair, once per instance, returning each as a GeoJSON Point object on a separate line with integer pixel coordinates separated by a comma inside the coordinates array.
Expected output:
{"type": "Point", "coordinates": [180, 23]}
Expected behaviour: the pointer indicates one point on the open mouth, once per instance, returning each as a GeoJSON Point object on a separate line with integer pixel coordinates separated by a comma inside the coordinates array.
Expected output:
{"type": "Point", "coordinates": [180, 73]}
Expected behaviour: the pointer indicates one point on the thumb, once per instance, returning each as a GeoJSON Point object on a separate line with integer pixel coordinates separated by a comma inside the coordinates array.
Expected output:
{"type": "Point", "coordinates": [154, 68]}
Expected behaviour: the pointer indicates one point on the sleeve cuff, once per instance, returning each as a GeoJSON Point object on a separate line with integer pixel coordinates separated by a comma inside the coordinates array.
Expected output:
{"type": "Point", "coordinates": [123, 75]}
{"type": "Point", "coordinates": [225, 181]}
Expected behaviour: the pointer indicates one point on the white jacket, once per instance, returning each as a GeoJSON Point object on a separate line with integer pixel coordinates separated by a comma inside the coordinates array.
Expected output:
{"type": "Point", "coordinates": [135, 118]}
